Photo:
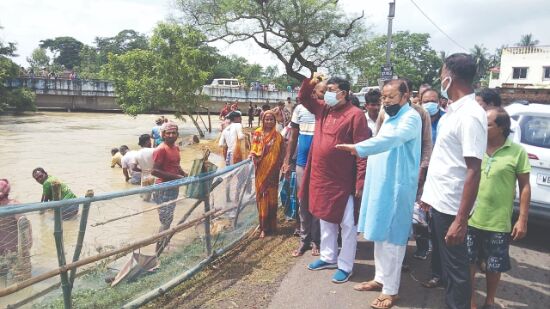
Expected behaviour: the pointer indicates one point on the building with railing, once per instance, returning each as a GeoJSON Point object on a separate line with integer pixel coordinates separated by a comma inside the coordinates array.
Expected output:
{"type": "Point", "coordinates": [523, 67]}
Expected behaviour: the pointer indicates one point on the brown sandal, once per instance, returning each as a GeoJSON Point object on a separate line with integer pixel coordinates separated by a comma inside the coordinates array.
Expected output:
{"type": "Point", "coordinates": [368, 286]}
{"type": "Point", "coordinates": [384, 301]}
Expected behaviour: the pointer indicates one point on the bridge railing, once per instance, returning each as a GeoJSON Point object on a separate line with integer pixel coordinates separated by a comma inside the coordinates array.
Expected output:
{"type": "Point", "coordinates": [80, 87]}
{"type": "Point", "coordinates": [115, 254]}
{"type": "Point", "coordinates": [246, 95]}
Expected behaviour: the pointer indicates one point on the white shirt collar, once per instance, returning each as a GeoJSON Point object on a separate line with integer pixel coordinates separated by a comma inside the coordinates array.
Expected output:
{"type": "Point", "coordinates": [453, 107]}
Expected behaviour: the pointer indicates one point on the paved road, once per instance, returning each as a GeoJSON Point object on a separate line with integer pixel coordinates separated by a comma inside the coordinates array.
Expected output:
{"type": "Point", "coordinates": [527, 285]}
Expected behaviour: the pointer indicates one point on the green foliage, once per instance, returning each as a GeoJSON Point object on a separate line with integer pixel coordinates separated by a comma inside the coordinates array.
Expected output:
{"type": "Point", "coordinates": [39, 59]}
{"type": "Point", "coordinates": [169, 74]}
{"type": "Point", "coordinates": [411, 56]}
{"type": "Point", "coordinates": [66, 50]}
{"type": "Point", "coordinates": [124, 41]}
{"type": "Point", "coordinates": [90, 64]}
{"type": "Point", "coordinates": [481, 57]}
{"type": "Point", "coordinates": [18, 99]}
{"type": "Point", "coordinates": [300, 33]}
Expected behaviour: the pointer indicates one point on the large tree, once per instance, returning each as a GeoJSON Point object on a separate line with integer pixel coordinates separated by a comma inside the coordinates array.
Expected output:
{"type": "Point", "coordinates": [299, 33]}
{"type": "Point", "coordinates": [482, 59]}
{"type": "Point", "coordinates": [19, 99]}
{"type": "Point", "coordinates": [411, 57]}
{"type": "Point", "coordinates": [168, 74]}
{"type": "Point", "coordinates": [66, 50]}
{"type": "Point", "coordinates": [39, 59]}
{"type": "Point", "coordinates": [124, 41]}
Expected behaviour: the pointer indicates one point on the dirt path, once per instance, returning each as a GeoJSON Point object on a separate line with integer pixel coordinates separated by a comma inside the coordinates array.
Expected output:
{"type": "Point", "coordinates": [246, 277]}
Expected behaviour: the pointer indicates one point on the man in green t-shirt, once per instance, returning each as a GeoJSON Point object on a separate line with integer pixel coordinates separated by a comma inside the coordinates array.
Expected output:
{"type": "Point", "coordinates": [489, 227]}
{"type": "Point", "coordinates": [40, 175]}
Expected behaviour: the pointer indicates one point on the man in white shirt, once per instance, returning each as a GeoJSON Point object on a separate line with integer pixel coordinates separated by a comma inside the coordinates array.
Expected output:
{"type": "Point", "coordinates": [144, 160]}
{"type": "Point", "coordinates": [372, 105]}
{"type": "Point", "coordinates": [453, 177]}
{"type": "Point", "coordinates": [129, 164]}
{"type": "Point", "coordinates": [230, 135]}
{"type": "Point", "coordinates": [228, 141]}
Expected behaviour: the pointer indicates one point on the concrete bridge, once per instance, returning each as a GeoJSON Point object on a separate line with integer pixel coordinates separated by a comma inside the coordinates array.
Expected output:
{"type": "Point", "coordinates": [99, 95]}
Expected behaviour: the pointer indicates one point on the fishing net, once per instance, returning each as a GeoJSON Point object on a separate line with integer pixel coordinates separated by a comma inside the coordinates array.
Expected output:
{"type": "Point", "coordinates": [128, 225]}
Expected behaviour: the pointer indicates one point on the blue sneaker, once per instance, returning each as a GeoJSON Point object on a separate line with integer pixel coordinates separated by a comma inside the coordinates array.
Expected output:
{"type": "Point", "coordinates": [341, 276]}
{"type": "Point", "coordinates": [318, 265]}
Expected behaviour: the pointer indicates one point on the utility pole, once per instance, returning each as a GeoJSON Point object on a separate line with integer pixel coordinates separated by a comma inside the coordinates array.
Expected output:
{"type": "Point", "coordinates": [391, 15]}
{"type": "Point", "coordinates": [387, 70]}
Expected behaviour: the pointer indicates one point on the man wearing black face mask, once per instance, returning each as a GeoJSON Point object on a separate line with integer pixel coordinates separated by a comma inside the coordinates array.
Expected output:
{"type": "Point", "coordinates": [390, 190]}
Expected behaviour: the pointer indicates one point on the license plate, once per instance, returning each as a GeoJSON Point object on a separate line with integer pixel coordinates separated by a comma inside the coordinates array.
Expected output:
{"type": "Point", "coordinates": [543, 179]}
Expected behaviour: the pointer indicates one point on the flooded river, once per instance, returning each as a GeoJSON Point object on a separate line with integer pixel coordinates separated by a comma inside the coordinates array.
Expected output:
{"type": "Point", "coordinates": [75, 147]}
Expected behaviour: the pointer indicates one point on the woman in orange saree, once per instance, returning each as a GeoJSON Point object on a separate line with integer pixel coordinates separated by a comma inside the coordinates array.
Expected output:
{"type": "Point", "coordinates": [267, 153]}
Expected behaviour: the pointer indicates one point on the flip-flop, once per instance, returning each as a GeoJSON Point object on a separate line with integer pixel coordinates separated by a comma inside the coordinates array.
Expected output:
{"type": "Point", "coordinates": [368, 286]}
{"type": "Point", "coordinates": [383, 298]}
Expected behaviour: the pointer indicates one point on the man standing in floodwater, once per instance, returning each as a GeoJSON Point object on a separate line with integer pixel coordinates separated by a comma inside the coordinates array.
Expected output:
{"type": "Point", "coordinates": [166, 167]}
{"type": "Point", "coordinates": [47, 181]}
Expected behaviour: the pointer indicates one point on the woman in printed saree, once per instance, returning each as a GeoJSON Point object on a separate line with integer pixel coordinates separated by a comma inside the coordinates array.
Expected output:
{"type": "Point", "coordinates": [267, 154]}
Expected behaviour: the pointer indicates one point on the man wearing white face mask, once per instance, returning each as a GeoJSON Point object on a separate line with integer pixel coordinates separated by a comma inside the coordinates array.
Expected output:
{"type": "Point", "coordinates": [335, 177]}
{"type": "Point", "coordinates": [453, 177]}
{"type": "Point", "coordinates": [430, 102]}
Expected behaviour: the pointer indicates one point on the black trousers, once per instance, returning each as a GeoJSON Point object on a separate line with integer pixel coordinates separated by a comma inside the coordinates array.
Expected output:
{"type": "Point", "coordinates": [435, 257]}
{"type": "Point", "coordinates": [455, 267]}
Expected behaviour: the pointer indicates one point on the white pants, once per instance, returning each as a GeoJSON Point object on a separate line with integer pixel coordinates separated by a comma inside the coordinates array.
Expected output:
{"type": "Point", "coordinates": [329, 240]}
{"type": "Point", "coordinates": [387, 263]}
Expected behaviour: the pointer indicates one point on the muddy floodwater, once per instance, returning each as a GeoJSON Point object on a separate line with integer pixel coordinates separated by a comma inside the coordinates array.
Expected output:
{"type": "Point", "coordinates": [75, 148]}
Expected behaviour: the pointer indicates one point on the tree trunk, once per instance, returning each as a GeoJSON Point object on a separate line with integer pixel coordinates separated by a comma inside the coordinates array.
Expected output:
{"type": "Point", "coordinates": [201, 134]}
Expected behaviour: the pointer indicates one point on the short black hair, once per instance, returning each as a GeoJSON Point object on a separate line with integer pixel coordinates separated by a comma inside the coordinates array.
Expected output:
{"type": "Point", "coordinates": [143, 138]}
{"type": "Point", "coordinates": [114, 151]}
{"type": "Point", "coordinates": [430, 90]}
{"type": "Point", "coordinates": [234, 114]}
{"type": "Point", "coordinates": [343, 84]}
{"type": "Point", "coordinates": [38, 169]}
{"type": "Point", "coordinates": [490, 96]}
{"type": "Point", "coordinates": [123, 147]}
{"type": "Point", "coordinates": [502, 120]}
{"type": "Point", "coordinates": [373, 96]}
{"type": "Point", "coordinates": [462, 66]}
{"type": "Point", "coordinates": [402, 85]}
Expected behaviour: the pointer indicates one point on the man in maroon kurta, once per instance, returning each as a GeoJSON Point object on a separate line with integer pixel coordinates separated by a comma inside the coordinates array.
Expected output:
{"type": "Point", "coordinates": [335, 177]}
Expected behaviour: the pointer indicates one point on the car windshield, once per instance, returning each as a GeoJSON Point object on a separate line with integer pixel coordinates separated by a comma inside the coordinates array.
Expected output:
{"type": "Point", "coordinates": [535, 131]}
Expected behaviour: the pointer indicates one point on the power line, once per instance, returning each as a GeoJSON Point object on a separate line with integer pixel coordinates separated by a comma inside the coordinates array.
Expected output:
{"type": "Point", "coordinates": [439, 28]}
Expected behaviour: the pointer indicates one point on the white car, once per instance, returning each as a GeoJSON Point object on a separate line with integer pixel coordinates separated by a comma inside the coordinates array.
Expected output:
{"type": "Point", "coordinates": [532, 125]}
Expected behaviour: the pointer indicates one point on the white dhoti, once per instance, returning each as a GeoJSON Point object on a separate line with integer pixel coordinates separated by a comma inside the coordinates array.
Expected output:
{"type": "Point", "coordinates": [388, 259]}
{"type": "Point", "coordinates": [329, 240]}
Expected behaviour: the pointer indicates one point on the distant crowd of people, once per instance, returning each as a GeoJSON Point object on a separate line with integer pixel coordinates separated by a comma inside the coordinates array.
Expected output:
{"type": "Point", "coordinates": [45, 73]}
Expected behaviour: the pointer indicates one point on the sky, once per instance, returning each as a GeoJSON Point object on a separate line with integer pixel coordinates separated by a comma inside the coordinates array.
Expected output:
{"type": "Point", "coordinates": [491, 23]}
